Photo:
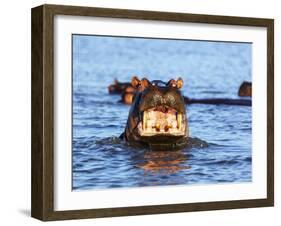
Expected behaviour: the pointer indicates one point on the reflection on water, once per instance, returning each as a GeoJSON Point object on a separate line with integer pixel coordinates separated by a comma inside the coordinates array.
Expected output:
{"type": "Point", "coordinates": [168, 162]}
{"type": "Point", "coordinates": [209, 70]}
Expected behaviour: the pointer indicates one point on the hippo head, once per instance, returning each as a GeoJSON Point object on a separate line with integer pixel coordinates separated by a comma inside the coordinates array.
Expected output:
{"type": "Point", "coordinates": [157, 116]}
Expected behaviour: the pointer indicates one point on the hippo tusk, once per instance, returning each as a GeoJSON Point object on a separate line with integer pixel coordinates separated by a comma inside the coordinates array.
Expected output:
{"type": "Point", "coordinates": [144, 120]}
{"type": "Point", "coordinates": [179, 120]}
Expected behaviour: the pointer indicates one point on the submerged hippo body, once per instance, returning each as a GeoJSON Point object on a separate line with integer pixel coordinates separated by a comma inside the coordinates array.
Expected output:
{"type": "Point", "coordinates": [157, 117]}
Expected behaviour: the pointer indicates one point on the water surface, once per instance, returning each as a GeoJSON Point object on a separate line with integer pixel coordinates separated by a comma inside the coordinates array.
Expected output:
{"type": "Point", "coordinates": [209, 69]}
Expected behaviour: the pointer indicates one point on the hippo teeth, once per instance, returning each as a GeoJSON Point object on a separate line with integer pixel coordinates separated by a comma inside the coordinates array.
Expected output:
{"type": "Point", "coordinates": [167, 127]}
{"type": "Point", "coordinates": [157, 127]}
{"type": "Point", "coordinates": [161, 120]}
{"type": "Point", "coordinates": [179, 120]}
{"type": "Point", "coordinates": [144, 120]}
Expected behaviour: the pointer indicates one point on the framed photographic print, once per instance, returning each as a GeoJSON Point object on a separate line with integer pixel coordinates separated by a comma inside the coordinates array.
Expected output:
{"type": "Point", "coordinates": [142, 112]}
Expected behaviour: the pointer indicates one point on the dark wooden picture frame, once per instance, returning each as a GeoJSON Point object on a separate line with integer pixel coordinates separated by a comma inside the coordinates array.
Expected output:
{"type": "Point", "coordinates": [42, 203]}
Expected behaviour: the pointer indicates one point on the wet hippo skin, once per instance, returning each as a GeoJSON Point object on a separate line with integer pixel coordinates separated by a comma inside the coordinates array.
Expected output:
{"type": "Point", "coordinates": [157, 117]}
{"type": "Point", "coordinates": [245, 89]}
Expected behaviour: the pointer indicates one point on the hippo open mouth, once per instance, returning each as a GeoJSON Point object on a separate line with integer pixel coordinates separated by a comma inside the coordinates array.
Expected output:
{"type": "Point", "coordinates": [157, 116]}
{"type": "Point", "coordinates": [162, 120]}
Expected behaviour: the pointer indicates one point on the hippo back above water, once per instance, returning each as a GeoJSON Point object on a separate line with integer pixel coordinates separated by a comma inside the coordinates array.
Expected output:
{"type": "Point", "coordinates": [245, 89]}
{"type": "Point", "coordinates": [157, 117]}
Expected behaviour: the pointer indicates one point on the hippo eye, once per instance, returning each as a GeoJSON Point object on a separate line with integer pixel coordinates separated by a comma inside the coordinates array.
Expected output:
{"type": "Point", "coordinates": [154, 84]}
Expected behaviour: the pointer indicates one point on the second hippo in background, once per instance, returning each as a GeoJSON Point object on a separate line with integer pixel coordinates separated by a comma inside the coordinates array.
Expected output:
{"type": "Point", "coordinates": [127, 95]}
{"type": "Point", "coordinates": [245, 89]}
{"type": "Point", "coordinates": [127, 92]}
{"type": "Point", "coordinates": [118, 87]}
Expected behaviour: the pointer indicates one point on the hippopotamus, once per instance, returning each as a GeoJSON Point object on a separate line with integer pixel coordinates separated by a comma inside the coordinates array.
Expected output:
{"type": "Point", "coordinates": [127, 95]}
{"type": "Point", "coordinates": [127, 92]}
{"type": "Point", "coordinates": [118, 87]}
{"type": "Point", "coordinates": [157, 118]}
{"type": "Point", "coordinates": [245, 89]}
{"type": "Point", "coordinates": [125, 89]}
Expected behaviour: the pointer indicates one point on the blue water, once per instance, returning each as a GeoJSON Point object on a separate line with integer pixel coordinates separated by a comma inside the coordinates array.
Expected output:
{"type": "Point", "coordinates": [209, 69]}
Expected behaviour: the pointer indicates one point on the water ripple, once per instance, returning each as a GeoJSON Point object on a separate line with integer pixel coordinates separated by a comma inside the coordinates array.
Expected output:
{"type": "Point", "coordinates": [221, 136]}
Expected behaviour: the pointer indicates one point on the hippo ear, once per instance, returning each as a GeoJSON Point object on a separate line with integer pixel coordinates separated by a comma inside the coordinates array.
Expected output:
{"type": "Point", "coordinates": [135, 82]}
{"type": "Point", "coordinates": [176, 84]}
{"type": "Point", "coordinates": [172, 83]}
{"type": "Point", "coordinates": [144, 83]}
{"type": "Point", "coordinates": [140, 84]}
{"type": "Point", "coordinates": [179, 83]}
